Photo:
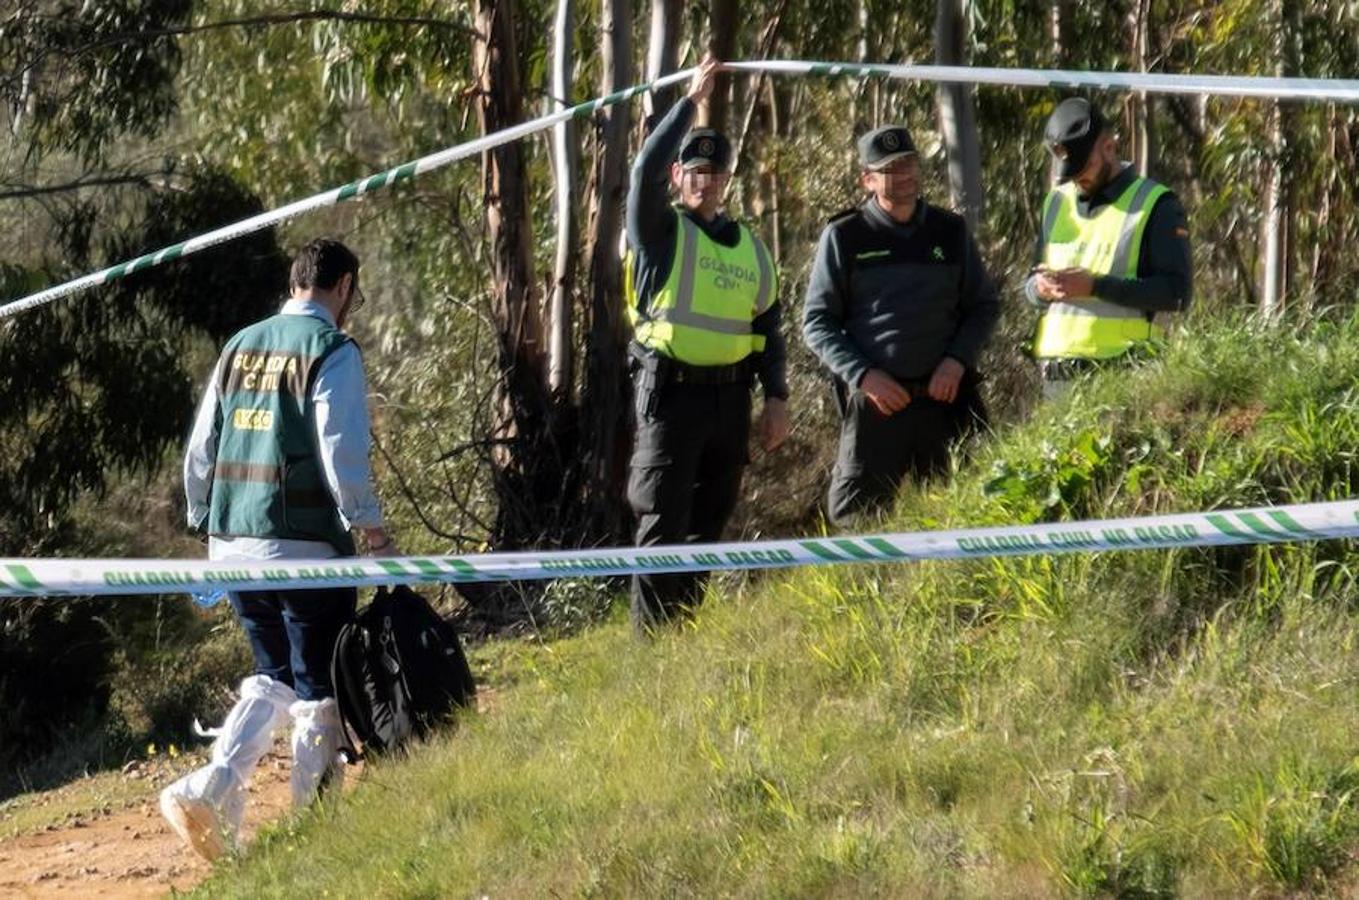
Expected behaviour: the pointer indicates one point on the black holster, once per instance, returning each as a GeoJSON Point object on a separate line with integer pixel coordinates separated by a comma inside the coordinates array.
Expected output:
{"type": "Point", "coordinates": [650, 374]}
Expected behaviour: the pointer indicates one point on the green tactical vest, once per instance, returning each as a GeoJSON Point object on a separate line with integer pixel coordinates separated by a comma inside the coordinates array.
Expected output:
{"type": "Point", "coordinates": [267, 479]}
{"type": "Point", "coordinates": [703, 312]}
{"type": "Point", "coordinates": [1107, 243]}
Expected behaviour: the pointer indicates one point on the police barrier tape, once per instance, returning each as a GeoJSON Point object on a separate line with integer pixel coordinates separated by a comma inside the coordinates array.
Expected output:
{"type": "Point", "coordinates": [1325, 90]}
{"type": "Point", "coordinates": [1274, 524]}
{"type": "Point", "coordinates": [1313, 89]}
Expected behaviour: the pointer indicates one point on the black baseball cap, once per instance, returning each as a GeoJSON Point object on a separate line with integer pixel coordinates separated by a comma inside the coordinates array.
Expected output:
{"type": "Point", "coordinates": [705, 147]}
{"type": "Point", "coordinates": [1071, 133]}
{"type": "Point", "coordinates": [884, 145]}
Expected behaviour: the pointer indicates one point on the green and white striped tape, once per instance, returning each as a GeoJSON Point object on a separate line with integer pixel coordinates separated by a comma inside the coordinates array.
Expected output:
{"type": "Point", "coordinates": [1324, 90]}
{"type": "Point", "coordinates": [1275, 524]}
{"type": "Point", "coordinates": [333, 197]}
{"type": "Point", "coordinates": [1307, 89]}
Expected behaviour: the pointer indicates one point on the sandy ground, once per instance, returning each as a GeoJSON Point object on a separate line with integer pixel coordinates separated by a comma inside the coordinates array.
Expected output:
{"type": "Point", "coordinates": [128, 850]}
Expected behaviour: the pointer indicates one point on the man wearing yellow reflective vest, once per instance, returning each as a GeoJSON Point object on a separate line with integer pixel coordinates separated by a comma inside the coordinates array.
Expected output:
{"type": "Point", "coordinates": [1112, 254]}
{"type": "Point", "coordinates": [702, 297]}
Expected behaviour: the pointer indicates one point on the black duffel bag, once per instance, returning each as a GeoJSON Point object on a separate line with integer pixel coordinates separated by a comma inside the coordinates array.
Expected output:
{"type": "Point", "coordinates": [399, 670]}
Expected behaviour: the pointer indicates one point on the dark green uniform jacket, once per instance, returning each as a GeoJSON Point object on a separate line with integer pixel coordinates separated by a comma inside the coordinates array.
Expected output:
{"type": "Point", "coordinates": [897, 297]}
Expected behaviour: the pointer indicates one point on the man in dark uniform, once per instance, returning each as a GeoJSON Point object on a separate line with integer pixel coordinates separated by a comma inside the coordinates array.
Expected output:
{"type": "Point", "coordinates": [703, 300]}
{"type": "Point", "coordinates": [898, 309]}
{"type": "Point", "coordinates": [1113, 252]}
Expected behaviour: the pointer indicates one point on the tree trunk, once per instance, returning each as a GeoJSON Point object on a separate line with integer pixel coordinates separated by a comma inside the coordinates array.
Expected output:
{"type": "Point", "coordinates": [1059, 23]}
{"type": "Point", "coordinates": [604, 400]}
{"type": "Point", "coordinates": [766, 45]}
{"type": "Point", "coordinates": [957, 118]}
{"type": "Point", "coordinates": [1271, 278]}
{"type": "Point", "coordinates": [770, 180]}
{"type": "Point", "coordinates": [520, 468]}
{"type": "Point", "coordinates": [505, 191]}
{"type": "Point", "coordinates": [1142, 105]}
{"type": "Point", "coordinates": [564, 166]}
{"type": "Point", "coordinates": [1324, 245]}
{"type": "Point", "coordinates": [1275, 264]}
{"type": "Point", "coordinates": [722, 26]}
{"type": "Point", "coordinates": [867, 92]}
{"type": "Point", "coordinates": [662, 57]}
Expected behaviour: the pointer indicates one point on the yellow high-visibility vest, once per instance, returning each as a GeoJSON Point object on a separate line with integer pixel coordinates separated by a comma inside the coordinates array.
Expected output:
{"type": "Point", "coordinates": [1107, 243]}
{"type": "Point", "coordinates": [703, 312]}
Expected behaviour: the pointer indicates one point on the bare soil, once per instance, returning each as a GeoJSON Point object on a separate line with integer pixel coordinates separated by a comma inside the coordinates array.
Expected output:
{"type": "Point", "coordinates": [127, 850]}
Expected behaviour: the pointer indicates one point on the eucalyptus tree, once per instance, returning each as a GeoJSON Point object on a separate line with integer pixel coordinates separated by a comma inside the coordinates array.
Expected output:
{"type": "Point", "coordinates": [662, 55]}
{"type": "Point", "coordinates": [565, 159]}
{"type": "Point", "coordinates": [724, 27]}
{"type": "Point", "coordinates": [957, 116]}
{"type": "Point", "coordinates": [605, 395]}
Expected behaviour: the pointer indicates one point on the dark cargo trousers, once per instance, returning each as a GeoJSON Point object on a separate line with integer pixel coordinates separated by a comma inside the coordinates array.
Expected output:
{"type": "Point", "coordinates": [687, 462]}
{"type": "Point", "coordinates": [877, 452]}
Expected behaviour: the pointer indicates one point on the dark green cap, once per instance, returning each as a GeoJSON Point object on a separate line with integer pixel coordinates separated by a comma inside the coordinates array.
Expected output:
{"type": "Point", "coordinates": [884, 145]}
{"type": "Point", "coordinates": [705, 147]}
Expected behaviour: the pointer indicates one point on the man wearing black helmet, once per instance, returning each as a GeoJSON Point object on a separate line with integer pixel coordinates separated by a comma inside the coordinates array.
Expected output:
{"type": "Point", "coordinates": [898, 309]}
{"type": "Point", "coordinates": [702, 297]}
{"type": "Point", "coordinates": [1113, 252]}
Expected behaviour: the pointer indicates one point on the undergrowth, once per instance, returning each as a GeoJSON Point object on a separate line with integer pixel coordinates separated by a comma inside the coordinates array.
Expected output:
{"type": "Point", "coordinates": [1131, 724]}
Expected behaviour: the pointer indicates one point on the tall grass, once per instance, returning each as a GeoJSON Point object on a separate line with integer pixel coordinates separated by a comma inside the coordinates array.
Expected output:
{"type": "Point", "coordinates": [1133, 724]}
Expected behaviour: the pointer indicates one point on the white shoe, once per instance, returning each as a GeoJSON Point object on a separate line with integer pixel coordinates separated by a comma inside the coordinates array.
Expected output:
{"type": "Point", "coordinates": [195, 821]}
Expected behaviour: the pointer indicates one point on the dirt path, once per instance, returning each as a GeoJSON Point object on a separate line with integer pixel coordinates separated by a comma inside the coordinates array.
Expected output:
{"type": "Point", "coordinates": [125, 849]}
{"type": "Point", "coordinates": [104, 836]}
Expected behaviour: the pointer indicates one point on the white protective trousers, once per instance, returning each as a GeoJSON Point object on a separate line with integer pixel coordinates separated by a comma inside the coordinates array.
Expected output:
{"type": "Point", "coordinates": [316, 747]}
{"type": "Point", "coordinates": [244, 738]}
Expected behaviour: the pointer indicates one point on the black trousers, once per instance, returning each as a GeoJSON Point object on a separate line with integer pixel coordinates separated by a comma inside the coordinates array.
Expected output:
{"type": "Point", "coordinates": [691, 449]}
{"type": "Point", "coordinates": [877, 452]}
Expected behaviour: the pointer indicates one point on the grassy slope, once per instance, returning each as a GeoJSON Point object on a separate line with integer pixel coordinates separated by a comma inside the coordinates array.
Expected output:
{"type": "Point", "coordinates": [1129, 723]}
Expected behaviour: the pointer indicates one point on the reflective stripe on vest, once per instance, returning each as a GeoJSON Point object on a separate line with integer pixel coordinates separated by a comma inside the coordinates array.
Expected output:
{"type": "Point", "coordinates": [1107, 243]}
{"type": "Point", "coordinates": [703, 312]}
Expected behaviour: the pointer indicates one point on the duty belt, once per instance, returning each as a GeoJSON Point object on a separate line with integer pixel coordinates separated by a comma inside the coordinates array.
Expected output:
{"type": "Point", "coordinates": [671, 371]}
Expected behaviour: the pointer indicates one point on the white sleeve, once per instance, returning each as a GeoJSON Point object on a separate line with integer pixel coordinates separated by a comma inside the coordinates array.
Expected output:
{"type": "Point", "coordinates": [201, 455]}
{"type": "Point", "coordinates": [340, 401]}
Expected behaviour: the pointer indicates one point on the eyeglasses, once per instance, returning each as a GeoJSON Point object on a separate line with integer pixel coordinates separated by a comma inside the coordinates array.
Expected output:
{"type": "Point", "coordinates": [358, 299]}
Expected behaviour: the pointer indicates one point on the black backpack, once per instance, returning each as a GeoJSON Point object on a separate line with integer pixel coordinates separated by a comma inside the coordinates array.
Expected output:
{"type": "Point", "coordinates": [398, 671]}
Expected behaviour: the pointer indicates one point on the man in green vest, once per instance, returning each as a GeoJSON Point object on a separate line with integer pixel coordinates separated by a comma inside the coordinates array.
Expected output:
{"type": "Point", "coordinates": [1112, 254]}
{"type": "Point", "coordinates": [277, 468]}
{"type": "Point", "coordinates": [702, 297]}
